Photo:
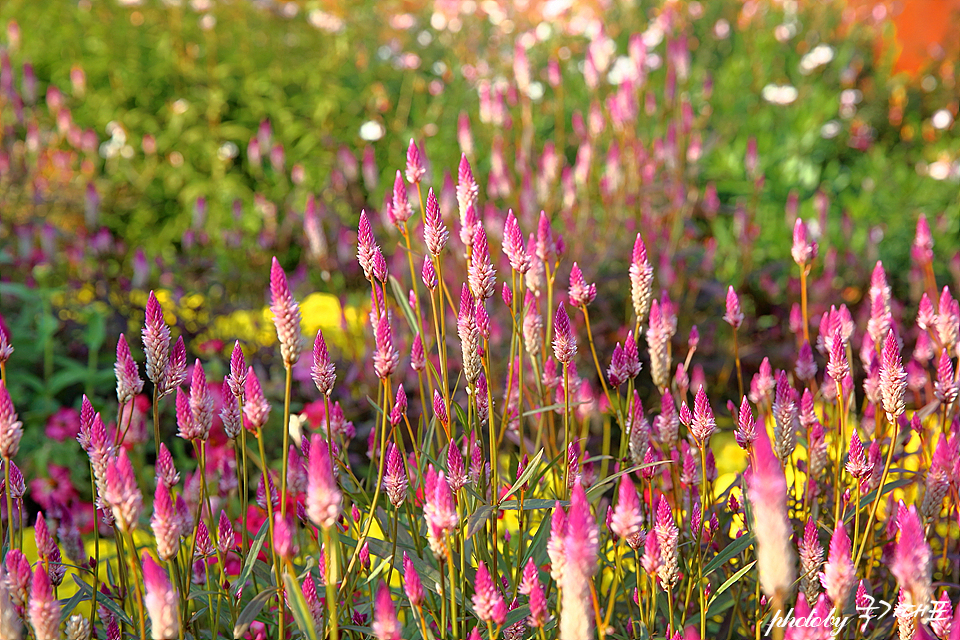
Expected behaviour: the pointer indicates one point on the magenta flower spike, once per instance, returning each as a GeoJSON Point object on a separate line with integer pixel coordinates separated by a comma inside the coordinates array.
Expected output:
{"type": "Point", "coordinates": [506, 294]}
{"type": "Point", "coordinates": [238, 372]}
{"type": "Point", "coordinates": [323, 372]}
{"type": "Point", "coordinates": [948, 321]}
{"type": "Point", "coordinates": [922, 250]}
{"type": "Point", "coordinates": [911, 564]}
{"type": "Point", "coordinates": [185, 425]}
{"type": "Point", "coordinates": [166, 470]}
{"type": "Point", "coordinates": [286, 314]}
{"type": "Point", "coordinates": [803, 250]}
{"type": "Point", "coordinates": [230, 411]}
{"type": "Point", "coordinates": [366, 246]}
{"type": "Point", "coordinates": [651, 561]}
{"type": "Point", "coordinates": [839, 574]}
{"type": "Point", "coordinates": [121, 492]}
{"type": "Point", "coordinates": [545, 246]}
{"type": "Point", "coordinates": [746, 427]}
{"type": "Point", "coordinates": [787, 418]}
{"type": "Point", "coordinates": [806, 367]}
{"type": "Point", "coordinates": [482, 320]}
{"type": "Point", "coordinates": [481, 275]}
{"type": "Point", "coordinates": [893, 378]}
{"type": "Point", "coordinates": [440, 512]}
{"type": "Point", "coordinates": [395, 479]}
{"type": "Point", "coordinates": [201, 402]}
{"type": "Point", "coordinates": [176, 371]}
{"type": "Point", "coordinates": [564, 340]}
{"type": "Point", "coordinates": [486, 596]}
{"type": "Point", "coordinates": [156, 341]}
{"type": "Point", "coordinates": [945, 387]}
{"type": "Point", "coordinates": [283, 544]}
{"type": "Point", "coordinates": [767, 491]}
{"type": "Point", "coordinates": [44, 611]}
{"type": "Point", "coordinates": [641, 280]}
{"type": "Point", "coordinates": [581, 294]}
{"type": "Point", "coordinates": [435, 232]}
{"type": "Point", "coordinates": [11, 429]}
{"type": "Point", "coordinates": [440, 408]}
{"type": "Point", "coordinates": [385, 623]}
{"type": "Point", "coordinates": [581, 545]}
{"type": "Point", "coordinates": [129, 383]}
{"type": "Point", "coordinates": [857, 464]}
{"type": "Point", "coordinates": [225, 536]}
{"type": "Point", "coordinates": [418, 360]}
{"type": "Point", "coordinates": [256, 409]}
{"type": "Point", "coordinates": [323, 494]}
{"type": "Point", "coordinates": [411, 582]}
{"type": "Point", "coordinates": [160, 600]}
{"type": "Point", "coordinates": [734, 315]}
{"type": "Point", "coordinates": [399, 409]}
{"type": "Point", "coordinates": [386, 357]}
{"type": "Point", "coordinates": [626, 519]}
{"type": "Point", "coordinates": [513, 245]}
{"type": "Point", "coordinates": [837, 366]}
{"type": "Point", "coordinates": [703, 423]}
{"type": "Point", "coordinates": [617, 371]}
{"type": "Point", "coordinates": [401, 210]}
{"type": "Point", "coordinates": [415, 170]}
{"type": "Point", "coordinates": [631, 356]}
{"type": "Point", "coordinates": [456, 471]}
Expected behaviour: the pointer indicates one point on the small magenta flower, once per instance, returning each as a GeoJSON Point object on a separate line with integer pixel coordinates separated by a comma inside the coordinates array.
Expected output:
{"type": "Point", "coordinates": [839, 574]}
{"type": "Point", "coordinates": [256, 409]}
{"type": "Point", "coordinates": [323, 372]}
{"type": "Point", "coordinates": [626, 518]}
{"type": "Point", "coordinates": [11, 429]}
{"type": "Point", "coordinates": [857, 464]}
{"type": "Point", "coordinates": [806, 367]}
{"type": "Point", "coordinates": [386, 358]}
{"type": "Point", "coordinates": [415, 170]}
{"type": "Point", "coordinates": [945, 388]}
{"type": "Point", "coordinates": [911, 564]}
{"type": "Point", "coordinates": [385, 623]}
{"type": "Point", "coordinates": [837, 366]}
{"type": "Point", "coordinates": [418, 359]}
{"type": "Point", "coordinates": [533, 589]}
{"type": "Point", "coordinates": [481, 275]}
{"type": "Point", "coordinates": [399, 409]}
{"type": "Point", "coordinates": [428, 274]}
{"type": "Point", "coordinates": [440, 408]}
{"type": "Point", "coordinates": [787, 418]}
{"type": "Point", "coordinates": [225, 537]}
{"type": "Point", "coordinates": [641, 280]}
{"type": "Point", "coordinates": [532, 324]}
{"type": "Point", "coordinates": [435, 233]}
{"type": "Point", "coordinates": [456, 471]}
{"type": "Point", "coordinates": [617, 371]}
{"type": "Point", "coordinates": [395, 476]}
{"type": "Point", "coordinates": [230, 412]}
{"type": "Point", "coordinates": [581, 294]}
{"type": "Point", "coordinates": [176, 372]}
{"type": "Point", "coordinates": [201, 403]}
{"type": "Point", "coordinates": [160, 600]}
{"type": "Point", "coordinates": [803, 250]}
{"type": "Point", "coordinates": [166, 470]}
{"type": "Point", "coordinates": [486, 597]}
{"type": "Point", "coordinates": [545, 246]}
{"type": "Point", "coordinates": [734, 315]}
{"type": "Point", "coordinates": [323, 494]}
{"type": "Point", "coordinates": [156, 341]}
{"type": "Point", "coordinates": [366, 246]}
{"type": "Point", "coordinates": [440, 512]}
{"type": "Point", "coordinates": [631, 356]}
{"type": "Point", "coordinates": [948, 321]}
{"type": "Point", "coordinates": [703, 423]}
{"type": "Point", "coordinates": [202, 542]}
{"type": "Point", "coordinates": [746, 427]}
{"type": "Point", "coordinates": [651, 561]}
{"type": "Point", "coordinates": [286, 314]}
{"type": "Point", "coordinates": [411, 582]}
{"type": "Point", "coordinates": [564, 340]}
{"type": "Point", "coordinates": [401, 211]}
{"type": "Point", "coordinates": [44, 611]}
{"type": "Point", "coordinates": [893, 378]}
{"type": "Point", "coordinates": [238, 372]}
{"type": "Point", "coordinates": [506, 294]}
{"type": "Point", "coordinates": [922, 250]}
{"type": "Point", "coordinates": [513, 245]}
{"type": "Point", "coordinates": [283, 544]}
{"type": "Point", "coordinates": [121, 492]}
{"type": "Point", "coordinates": [129, 383]}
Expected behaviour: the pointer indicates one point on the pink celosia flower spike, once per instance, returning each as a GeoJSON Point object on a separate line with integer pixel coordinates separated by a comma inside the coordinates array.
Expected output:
{"type": "Point", "coordinates": [385, 623]}
{"type": "Point", "coordinates": [121, 492]}
{"type": "Point", "coordinates": [411, 582]}
{"type": "Point", "coordinates": [11, 429]}
{"type": "Point", "coordinates": [532, 588]}
{"type": "Point", "coordinates": [129, 383]}
{"type": "Point", "coordinates": [230, 412]}
{"type": "Point", "coordinates": [286, 314]}
{"type": "Point", "coordinates": [238, 372]}
{"type": "Point", "coordinates": [581, 294]}
{"type": "Point", "coordinates": [201, 402]}
{"type": "Point", "coordinates": [166, 470]}
{"type": "Point", "coordinates": [893, 378]}
{"type": "Point", "coordinates": [160, 600]}
{"type": "Point", "coordinates": [256, 409]}
{"type": "Point", "coordinates": [626, 519]}
{"type": "Point", "coordinates": [395, 476]}
{"type": "Point", "coordinates": [641, 280]}
{"type": "Point", "coordinates": [513, 245]}
{"type": "Point", "coordinates": [837, 365]}
{"type": "Point", "coordinates": [414, 170]}
{"type": "Point", "coordinates": [481, 275]}
{"type": "Point", "coordinates": [323, 494]}
{"type": "Point", "coordinates": [486, 597]}
{"type": "Point", "coordinates": [323, 372]}
{"type": "Point", "coordinates": [564, 340]}
{"type": "Point", "coordinates": [803, 250]}
{"type": "Point", "coordinates": [746, 427]}
{"type": "Point", "coordinates": [401, 211]}
{"type": "Point", "coordinates": [703, 423]}
{"type": "Point", "coordinates": [734, 315]}
{"type": "Point", "coordinates": [435, 233]}
{"type": "Point", "coordinates": [176, 372]}
{"type": "Point", "coordinates": [366, 246]}
{"type": "Point", "coordinates": [581, 544]}
{"type": "Point", "coordinates": [386, 357]}
{"type": "Point", "coordinates": [767, 491]}
{"type": "Point", "coordinates": [44, 612]}
{"type": "Point", "coordinates": [839, 574]}
{"type": "Point", "coordinates": [911, 564]}
{"type": "Point", "coordinates": [156, 341]}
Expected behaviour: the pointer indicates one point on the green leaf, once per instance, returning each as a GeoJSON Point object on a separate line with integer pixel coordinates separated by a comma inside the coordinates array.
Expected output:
{"type": "Point", "coordinates": [404, 303]}
{"type": "Point", "coordinates": [251, 559]}
{"type": "Point", "coordinates": [71, 604]}
{"type": "Point", "coordinates": [107, 603]}
{"type": "Point", "coordinates": [728, 552]}
{"type": "Point", "coordinates": [532, 504]}
{"type": "Point", "coordinates": [726, 585]}
{"type": "Point", "coordinates": [298, 604]}
{"type": "Point", "coordinates": [525, 476]}
{"type": "Point", "coordinates": [251, 611]}
{"type": "Point", "coordinates": [476, 520]}
{"type": "Point", "coordinates": [598, 488]}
